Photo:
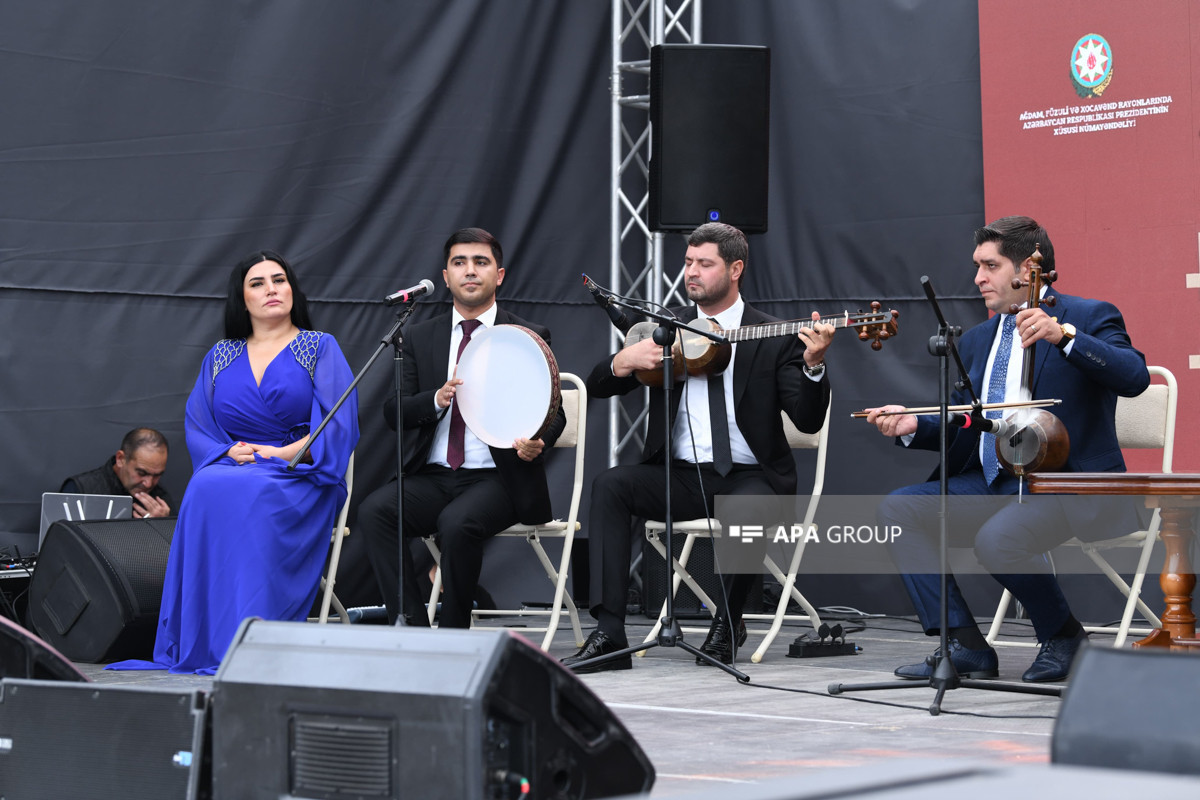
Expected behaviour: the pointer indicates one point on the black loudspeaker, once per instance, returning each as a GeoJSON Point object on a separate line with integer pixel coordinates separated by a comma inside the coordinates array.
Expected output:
{"type": "Point", "coordinates": [23, 655]}
{"type": "Point", "coordinates": [81, 741]}
{"type": "Point", "coordinates": [97, 587]}
{"type": "Point", "coordinates": [709, 122]}
{"type": "Point", "coordinates": [1130, 709]}
{"type": "Point", "coordinates": [336, 711]}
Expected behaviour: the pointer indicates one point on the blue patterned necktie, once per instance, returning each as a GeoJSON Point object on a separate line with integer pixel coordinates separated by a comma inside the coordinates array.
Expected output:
{"type": "Point", "coordinates": [991, 465]}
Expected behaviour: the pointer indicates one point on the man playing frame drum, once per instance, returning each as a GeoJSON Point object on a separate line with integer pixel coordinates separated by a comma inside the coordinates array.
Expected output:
{"type": "Point", "coordinates": [456, 485]}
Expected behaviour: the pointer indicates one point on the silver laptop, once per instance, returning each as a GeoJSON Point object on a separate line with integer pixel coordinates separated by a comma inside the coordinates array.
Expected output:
{"type": "Point", "coordinates": [76, 507]}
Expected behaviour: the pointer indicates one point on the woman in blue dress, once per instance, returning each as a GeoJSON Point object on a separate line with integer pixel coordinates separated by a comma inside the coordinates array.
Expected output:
{"type": "Point", "coordinates": [252, 536]}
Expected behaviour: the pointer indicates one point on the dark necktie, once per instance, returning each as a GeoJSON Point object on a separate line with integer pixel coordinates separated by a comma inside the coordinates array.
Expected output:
{"type": "Point", "coordinates": [996, 387]}
{"type": "Point", "coordinates": [455, 450]}
{"type": "Point", "coordinates": [718, 422]}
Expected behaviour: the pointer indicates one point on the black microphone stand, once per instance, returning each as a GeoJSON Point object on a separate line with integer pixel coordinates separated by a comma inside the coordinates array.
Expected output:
{"type": "Point", "coordinates": [394, 338]}
{"type": "Point", "coordinates": [670, 633]}
{"type": "Point", "coordinates": [945, 677]}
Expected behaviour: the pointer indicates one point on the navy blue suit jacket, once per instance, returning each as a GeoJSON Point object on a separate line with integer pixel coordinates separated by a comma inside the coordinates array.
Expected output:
{"type": "Point", "coordinates": [1102, 364]}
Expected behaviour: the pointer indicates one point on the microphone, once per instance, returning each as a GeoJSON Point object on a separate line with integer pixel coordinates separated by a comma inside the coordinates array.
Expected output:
{"type": "Point", "coordinates": [997, 427]}
{"type": "Point", "coordinates": [615, 315]}
{"type": "Point", "coordinates": [411, 293]}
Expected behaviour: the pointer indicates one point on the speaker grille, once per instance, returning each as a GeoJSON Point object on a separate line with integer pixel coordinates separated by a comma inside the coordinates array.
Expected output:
{"type": "Point", "coordinates": [340, 757]}
{"type": "Point", "coordinates": [140, 559]}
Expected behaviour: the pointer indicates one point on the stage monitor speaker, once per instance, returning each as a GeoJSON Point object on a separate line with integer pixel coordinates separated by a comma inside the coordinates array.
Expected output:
{"type": "Point", "coordinates": [97, 587]}
{"type": "Point", "coordinates": [81, 741]}
{"type": "Point", "coordinates": [1130, 709]}
{"type": "Point", "coordinates": [709, 133]}
{"type": "Point", "coordinates": [24, 655]}
{"type": "Point", "coordinates": [333, 711]}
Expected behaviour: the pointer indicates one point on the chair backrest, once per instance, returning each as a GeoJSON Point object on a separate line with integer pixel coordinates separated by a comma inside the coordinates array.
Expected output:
{"type": "Point", "coordinates": [808, 441]}
{"type": "Point", "coordinates": [1148, 420]}
{"type": "Point", "coordinates": [574, 404]}
{"type": "Point", "coordinates": [570, 407]}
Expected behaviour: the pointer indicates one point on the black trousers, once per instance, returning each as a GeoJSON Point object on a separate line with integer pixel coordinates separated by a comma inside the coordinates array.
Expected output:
{"type": "Point", "coordinates": [464, 507]}
{"type": "Point", "coordinates": [622, 493]}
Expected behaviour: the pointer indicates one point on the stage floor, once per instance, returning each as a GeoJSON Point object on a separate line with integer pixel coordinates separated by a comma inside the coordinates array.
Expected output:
{"type": "Point", "coordinates": [703, 729]}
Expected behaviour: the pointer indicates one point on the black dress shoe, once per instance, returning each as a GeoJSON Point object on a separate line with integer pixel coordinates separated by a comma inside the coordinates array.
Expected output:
{"type": "Point", "coordinates": [719, 643]}
{"type": "Point", "coordinates": [967, 663]}
{"type": "Point", "coordinates": [1053, 661]}
{"type": "Point", "coordinates": [598, 644]}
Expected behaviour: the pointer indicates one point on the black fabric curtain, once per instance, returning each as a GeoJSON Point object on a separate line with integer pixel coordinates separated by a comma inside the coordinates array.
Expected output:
{"type": "Point", "coordinates": [145, 148]}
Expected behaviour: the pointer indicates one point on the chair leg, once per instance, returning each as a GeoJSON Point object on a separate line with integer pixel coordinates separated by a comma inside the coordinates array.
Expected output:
{"type": "Point", "coordinates": [788, 582]}
{"type": "Point", "coordinates": [328, 582]}
{"type": "Point", "coordinates": [679, 574]}
{"type": "Point", "coordinates": [1133, 591]}
{"type": "Point", "coordinates": [343, 615]}
{"type": "Point", "coordinates": [998, 619]}
{"type": "Point", "coordinates": [558, 578]}
{"type": "Point", "coordinates": [657, 544]}
{"type": "Point", "coordinates": [431, 606]}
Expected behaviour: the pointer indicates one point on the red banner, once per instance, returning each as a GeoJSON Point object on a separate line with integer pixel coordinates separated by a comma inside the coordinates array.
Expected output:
{"type": "Point", "coordinates": [1088, 127]}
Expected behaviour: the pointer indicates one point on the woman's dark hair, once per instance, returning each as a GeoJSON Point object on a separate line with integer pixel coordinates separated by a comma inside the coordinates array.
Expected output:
{"type": "Point", "coordinates": [237, 318]}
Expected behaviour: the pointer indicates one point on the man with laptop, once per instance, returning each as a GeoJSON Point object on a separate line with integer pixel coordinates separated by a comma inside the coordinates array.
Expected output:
{"type": "Point", "coordinates": [134, 470]}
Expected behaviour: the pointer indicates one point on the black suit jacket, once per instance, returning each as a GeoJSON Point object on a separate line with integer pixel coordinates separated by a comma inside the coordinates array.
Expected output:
{"type": "Point", "coordinates": [426, 353]}
{"type": "Point", "coordinates": [768, 378]}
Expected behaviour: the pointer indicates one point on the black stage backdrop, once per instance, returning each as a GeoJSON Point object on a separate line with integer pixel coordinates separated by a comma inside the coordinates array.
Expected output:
{"type": "Point", "coordinates": [146, 147]}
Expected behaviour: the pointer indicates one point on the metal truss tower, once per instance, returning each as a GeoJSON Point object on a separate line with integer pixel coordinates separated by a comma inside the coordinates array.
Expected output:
{"type": "Point", "coordinates": [636, 263]}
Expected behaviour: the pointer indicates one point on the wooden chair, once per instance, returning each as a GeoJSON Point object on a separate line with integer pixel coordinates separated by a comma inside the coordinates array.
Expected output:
{"type": "Point", "coordinates": [706, 528]}
{"type": "Point", "coordinates": [1143, 422]}
{"type": "Point", "coordinates": [574, 436]}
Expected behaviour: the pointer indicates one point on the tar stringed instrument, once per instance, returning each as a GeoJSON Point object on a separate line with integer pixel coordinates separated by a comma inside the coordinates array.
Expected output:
{"type": "Point", "coordinates": [1041, 443]}
{"type": "Point", "coordinates": [698, 355]}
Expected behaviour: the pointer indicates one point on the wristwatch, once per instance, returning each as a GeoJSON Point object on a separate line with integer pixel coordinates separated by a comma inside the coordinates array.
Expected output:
{"type": "Point", "coordinates": [1068, 334]}
{"type": "Point", "coordinates": [815, 372]}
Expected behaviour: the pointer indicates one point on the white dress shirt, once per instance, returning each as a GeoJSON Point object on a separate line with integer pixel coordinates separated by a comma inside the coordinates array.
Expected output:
{"type": "Point", "coordinates": [692, 422]}
{"type": "Point", "coordinates": [476, 454]}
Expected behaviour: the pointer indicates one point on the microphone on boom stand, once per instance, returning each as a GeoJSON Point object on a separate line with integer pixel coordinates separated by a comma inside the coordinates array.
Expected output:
{"type": "Point", "coordinates": [615, 315]}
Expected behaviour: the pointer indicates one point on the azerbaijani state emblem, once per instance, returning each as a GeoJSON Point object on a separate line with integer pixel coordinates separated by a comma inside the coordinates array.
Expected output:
{"type": "Point", "coordinates": [1091, 65]}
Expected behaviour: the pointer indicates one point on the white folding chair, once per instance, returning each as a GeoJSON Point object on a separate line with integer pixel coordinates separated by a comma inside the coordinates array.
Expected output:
{"type": "Point", "coordinates": [706, 528]}
{"type": "Point", "coordinates": [574, 435]}
{"type": "Point", "coordinates": [340, 531]}
{"type": "Point", "coordinates": [1143, 422]}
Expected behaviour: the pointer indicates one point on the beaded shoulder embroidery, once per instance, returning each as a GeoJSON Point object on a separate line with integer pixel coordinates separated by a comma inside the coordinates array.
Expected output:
{"type": "Point", "coordinates": [227, 351]}
{"type": "Point", "coordinates": [304, 347]}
